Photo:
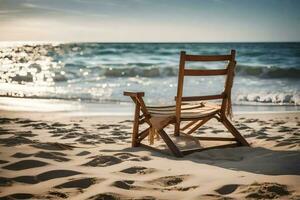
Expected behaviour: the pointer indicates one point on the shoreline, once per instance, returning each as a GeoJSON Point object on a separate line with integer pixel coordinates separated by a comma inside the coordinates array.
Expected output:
{"type": "Point", "coordinates": [112, 109]}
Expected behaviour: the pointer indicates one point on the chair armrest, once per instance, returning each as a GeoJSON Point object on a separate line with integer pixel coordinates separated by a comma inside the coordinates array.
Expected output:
{"type": "Point", "coordinates": [134, 94]}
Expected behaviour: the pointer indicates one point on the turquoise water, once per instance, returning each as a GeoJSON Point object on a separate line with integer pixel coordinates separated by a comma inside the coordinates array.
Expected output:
{"type": "Point", "coordinates": [266, 74]}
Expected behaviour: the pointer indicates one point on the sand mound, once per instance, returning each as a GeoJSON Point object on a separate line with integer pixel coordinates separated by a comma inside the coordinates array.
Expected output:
{"type": "Point", "coordinates": [266, 191]}
{"type": "Point", "coordinates": [168, 180]}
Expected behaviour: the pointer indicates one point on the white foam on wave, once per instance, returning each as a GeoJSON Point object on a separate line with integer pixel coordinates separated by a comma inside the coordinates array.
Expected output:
{"type": "Point", "coordinates": [270, 98]}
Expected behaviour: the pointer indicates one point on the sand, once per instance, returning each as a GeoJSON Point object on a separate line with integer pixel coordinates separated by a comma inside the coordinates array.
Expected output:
{"type": "Point", "coordinates": [58, 156]}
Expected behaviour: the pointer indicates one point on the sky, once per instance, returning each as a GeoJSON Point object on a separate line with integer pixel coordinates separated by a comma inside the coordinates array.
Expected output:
{"type": "Point", "coordinates": [150, 20]}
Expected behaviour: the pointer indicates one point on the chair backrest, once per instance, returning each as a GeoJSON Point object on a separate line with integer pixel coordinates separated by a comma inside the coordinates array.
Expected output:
{"type": "Point", "coordinates": [228, 71]}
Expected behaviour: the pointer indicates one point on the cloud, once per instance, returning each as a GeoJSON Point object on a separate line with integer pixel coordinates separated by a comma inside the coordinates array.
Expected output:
{"type": "Point", "coordinates": [148, 20]}
{"type": "Point", "coordinates": [5, 12]}
{"type": "Point", "coordinates": [61, 10]}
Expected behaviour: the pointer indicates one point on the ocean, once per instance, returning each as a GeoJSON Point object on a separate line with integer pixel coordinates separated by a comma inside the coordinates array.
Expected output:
{"type": "Point", "coordinates": [93, 76]}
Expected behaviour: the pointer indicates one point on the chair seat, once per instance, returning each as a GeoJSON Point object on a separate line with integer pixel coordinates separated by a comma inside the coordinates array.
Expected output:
{"type": "Point", "coordinates": [188, 111]}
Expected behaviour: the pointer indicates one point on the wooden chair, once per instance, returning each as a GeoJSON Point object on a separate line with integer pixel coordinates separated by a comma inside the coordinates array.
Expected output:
{"type": "Point", "coordinates": [191, 109]}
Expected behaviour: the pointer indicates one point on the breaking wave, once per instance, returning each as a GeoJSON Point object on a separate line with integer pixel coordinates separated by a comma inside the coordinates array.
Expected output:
{"type": "Point", "coordinates": [265, 74]}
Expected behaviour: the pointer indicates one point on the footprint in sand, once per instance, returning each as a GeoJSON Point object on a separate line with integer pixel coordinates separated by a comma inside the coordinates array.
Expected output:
{"type": "Point", "coordinates": [274, 138]}
{"type": "Point", "coordinates": [256, 190]}
{"type": "Point", "coordinates": [95, 139]}
{"type": "Point", "coordinates": [45, 176]}
{"type": "Point", "coordinates": [145, 198]}
{"type": "Point", "coordinates": [14, 141]}
{"type": "Point", "coordinates": [170, 183]}
{"type": "Point", "coordinates": [55, 195]}
{"type": "Point", "coordinates": [3, 162]}
{"type": "Point", "coordinates": [4, 131]}
{"type": "Point", "coordinates": [227, 189]}
{"type": "Point", "coordinates": [138, 170]}
{"type": "Point", "coordinates": [25, 164]}
{"type": "Point", "coordinates": [61, 131]}
{"type": "Point", "coordinates": [252, 134]}
{"type": "Point", "coordinates": [263, 129]}
{"type": "Point", "coordinates": [25, 133]}
{"type": "Point", "coordinates": [284, 129]}
{"type": "Point", "coordinates": [214, 197]}
{"type": "Point", "coordinates": [23, 121]}
{"type": "Point", "coordinates": [117, 132]}
{"type": "Point", "coordinates": [70, 135]}
{"type": "Point", "coordinates": [99, 126]}
{"type": "Point", "coordinates": [125, 185]}
{"type": "Point", "coordinates": [83, 153]}
{"type": "Point", "coordinates": [277, 123]}
{"type": "Point", "coordinates": [6, 120]}
{"type": "Point", "coordinates": [250, 120]}
{"type": "Point", "coordinates": [132, 157]}
{"type": "Point", "coordinates": [168, 180]}
{"type": "Point", "coordinates": [5, 182]}
{"type": "Point", "coordinates": [126, 121]}
{"type": "Point", "coordinates": [81, 183]}
{"type": "Point", "coordinates": [57, 156]}
{"type": "Point", "coordinates": [115, 196]}
{"type": "Point", "coordinates": [42, 125]}
{"type": "Point", "coordinates": [283, 143]}
{"type": "Point", "coordinates": [217, 131]}
{"type": "Point", "coordinates": [17, 196]}
{"type": "Point", "coordinates": [57, 124]}
{"type": "Point", "coordinates": [102, 161]}
{"type": "Point", "coordinates": [107, 196]}
{"type": "Point", "coordinates": [55, 146]}
{"type": "Point", "coordinates": [21, 155]}
{"type": "Point", "coordinates": [108, 160]}
{"type": "Point", "coordinates": [243, 127]}
{"type": "Point", "coordinates": [266, 191]}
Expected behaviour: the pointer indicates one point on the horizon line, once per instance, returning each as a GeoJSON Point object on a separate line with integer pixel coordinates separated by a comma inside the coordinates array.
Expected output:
{"type": "Point", "coordinates": [145, 42]}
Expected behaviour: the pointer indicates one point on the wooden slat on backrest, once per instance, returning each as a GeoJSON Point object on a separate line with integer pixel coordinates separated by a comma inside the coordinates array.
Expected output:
{"type": "Point", "coordinates": [204, 72]}
{"type": "Point", "coordinates": [207, 58]}
{"type": "Point", "coordinates": [202, 98]}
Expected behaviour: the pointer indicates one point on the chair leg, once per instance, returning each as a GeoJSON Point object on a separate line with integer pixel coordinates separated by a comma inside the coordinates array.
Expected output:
{"type": "Point", "coordinates": [170, 143]}
{"type": "Point", "coordinates": [134, 142]}
{"type": "Point", "coordinates": [177, 129]}
{"type": "Point", "coordinates": [142, 135]}
{"type": "Point", "coordinates": [235, 132]}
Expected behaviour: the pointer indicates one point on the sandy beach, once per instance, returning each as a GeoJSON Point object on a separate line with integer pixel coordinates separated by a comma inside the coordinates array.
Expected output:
{"type": "Point", "coordinates": [149, 100]}
{"type": "Point", "coordinates": [58, 156]}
